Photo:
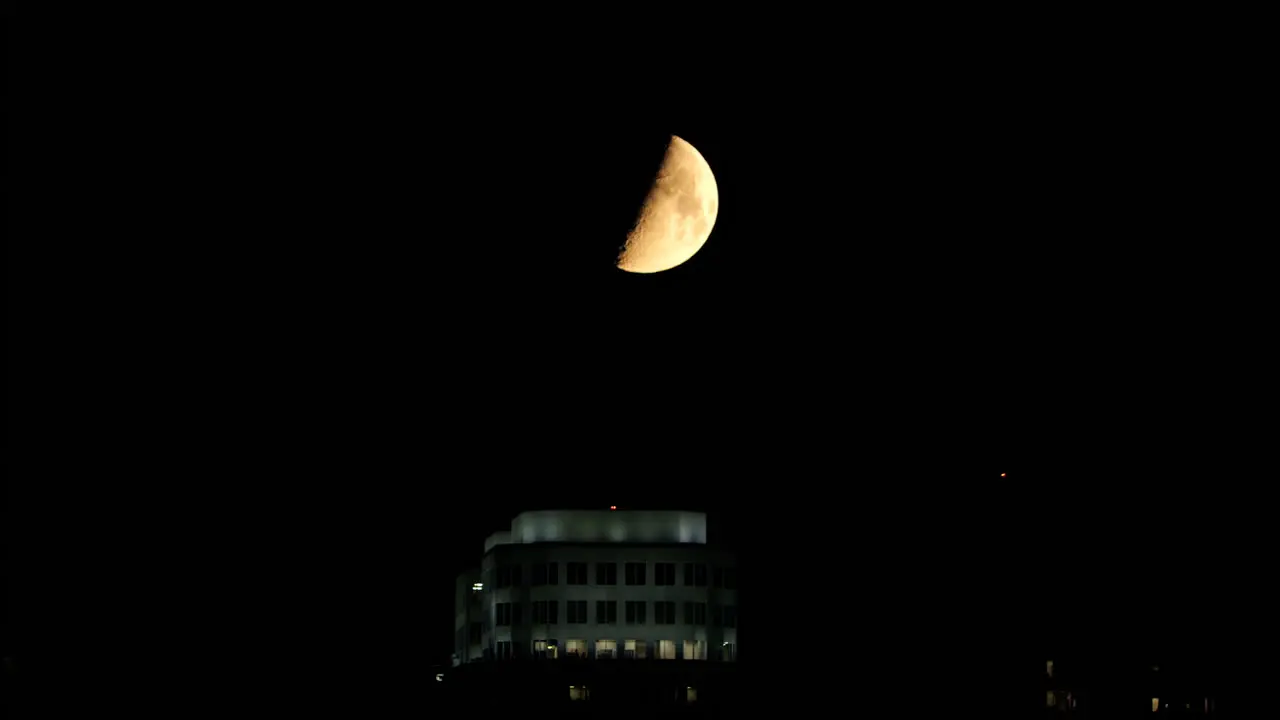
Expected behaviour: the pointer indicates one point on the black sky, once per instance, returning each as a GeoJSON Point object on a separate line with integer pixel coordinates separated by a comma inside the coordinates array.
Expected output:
{"type": "Point", "coordinates": [375, 289]}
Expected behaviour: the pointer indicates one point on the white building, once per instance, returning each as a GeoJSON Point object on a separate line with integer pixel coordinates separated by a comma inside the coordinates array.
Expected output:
{"type": "Point", "coordinates": [600, 584]}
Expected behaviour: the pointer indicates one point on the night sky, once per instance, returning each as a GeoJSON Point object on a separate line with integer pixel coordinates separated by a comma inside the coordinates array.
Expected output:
{"type": "Point", "coordinates": [386, 299]}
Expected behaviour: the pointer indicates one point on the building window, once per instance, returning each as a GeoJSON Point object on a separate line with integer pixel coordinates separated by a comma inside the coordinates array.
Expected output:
{"type": "Point", "coordinates": [509, 576]}
{"type": "Point", "coordinates": [664, 573]}
{"type": "Point", "coordinates": [546, 612]}
{"type": "Point", "coordinates": [606, 573]}
{"type": "Point", "coordinates": [666, 649]}
{"type": "Point", "coordinates": [695, 613]}
{"type": "Point", "coordinates": [544, 649]}
{"type": "Point", "coordinates": [506, 613]}
{"type": "Point", "coordinates": [726, 578]}
{"type": "Point", "coordinates": [724, 616]}
{"type": "Point", "coordinates": [575, 648]}
{"type": "Point", "coordinates": [606, 612]}
{"type": "Point", "coordinates": [635, 612]}
{"type": "Point", "coordinates": [504, 650]}
{"type": "Point", "coordinates": [575, 573]}
{"type": "Point", "coordinates": [606, 649]}
{"type": "Point", "coordinates": [695, 575]}
{"type": "Point", "coordinates": [576, 611]}
{"type": "Point", "coordinates": [695, 650]}
{"type": "Point", "coordinates": [633, 649]}
{"type": "Point", "coordinates": [544, 574]}
{"type": "Point", "coordinates": [635, 573]}
{"type": "Point", "coordinates": [664, 612]}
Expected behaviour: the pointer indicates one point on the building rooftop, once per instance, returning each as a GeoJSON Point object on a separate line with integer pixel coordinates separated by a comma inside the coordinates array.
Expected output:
{"type": "Point", "coordinates": [621, 526]}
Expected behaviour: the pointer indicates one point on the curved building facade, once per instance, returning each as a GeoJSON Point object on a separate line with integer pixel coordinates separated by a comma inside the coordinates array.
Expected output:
{"type": "Point", "coordinates": [602, 585]}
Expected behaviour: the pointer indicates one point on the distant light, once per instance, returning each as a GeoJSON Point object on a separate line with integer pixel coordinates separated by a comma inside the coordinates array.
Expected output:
{"type": "Point", "coordinates": [613, 507]}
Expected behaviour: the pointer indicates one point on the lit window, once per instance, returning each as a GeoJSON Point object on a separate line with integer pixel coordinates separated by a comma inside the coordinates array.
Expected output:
{"type": "Point", "coordinates": [605, 649]}
{"type": "Point", "coordinates": [633, 649]}
{"type": "Point", "coordinates": [575, 648]}
{"type": "Point", "coordinates": [666, 649]}
{"type": "Point", "coordinates": [544, 649]}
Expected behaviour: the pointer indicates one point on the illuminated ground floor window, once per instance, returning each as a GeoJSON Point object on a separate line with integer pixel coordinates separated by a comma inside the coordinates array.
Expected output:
{"type": "Point", "coordinates": [605, 649]}
{"type": "Point", "coordinates": [575, 647]}
{"type": "Point", "coordinates": [633, 649]}
{"type": "Point", "coordinates": [666, 649]}
{"type": "Point", "coordinates": [695, 650]}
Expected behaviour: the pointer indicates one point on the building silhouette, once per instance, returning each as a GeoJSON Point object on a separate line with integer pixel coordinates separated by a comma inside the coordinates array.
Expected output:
{"type": "Point", "coordinates": [599, 585]}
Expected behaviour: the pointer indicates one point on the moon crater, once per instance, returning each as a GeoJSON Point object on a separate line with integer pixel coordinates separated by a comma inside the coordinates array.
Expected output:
{"type": "Point", "coordinates": [678, 213]}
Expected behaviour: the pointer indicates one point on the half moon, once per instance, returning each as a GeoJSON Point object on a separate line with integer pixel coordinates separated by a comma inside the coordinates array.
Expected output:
{"type": "Point", "coordinates": [677, 215]}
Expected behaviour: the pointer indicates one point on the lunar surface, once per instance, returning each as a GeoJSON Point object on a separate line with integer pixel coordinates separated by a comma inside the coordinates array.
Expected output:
{"type": "Point", "coordinates": [677, 215]}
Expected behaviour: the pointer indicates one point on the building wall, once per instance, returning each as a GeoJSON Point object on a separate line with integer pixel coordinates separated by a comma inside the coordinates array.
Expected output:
{"type": "Point", "coordinates": [469, 607]}
{"type": "Point", "coordinates": [526, 555]}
